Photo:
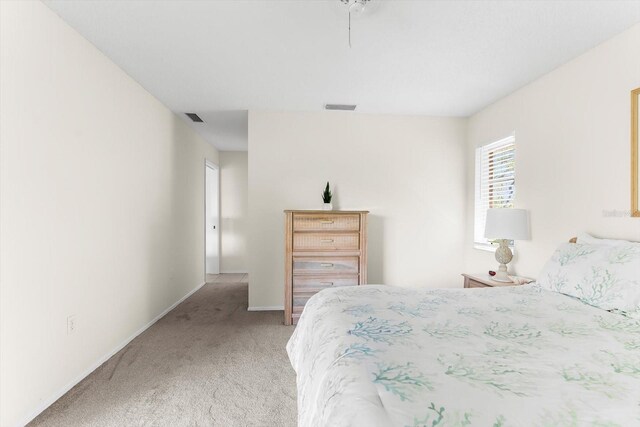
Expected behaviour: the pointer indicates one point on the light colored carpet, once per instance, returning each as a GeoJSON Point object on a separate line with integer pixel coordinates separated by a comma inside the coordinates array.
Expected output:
{"type": "Point", "coordinates": [209, 362]}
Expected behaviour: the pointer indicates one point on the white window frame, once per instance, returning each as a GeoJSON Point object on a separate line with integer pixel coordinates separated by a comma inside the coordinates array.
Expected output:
{"type": "Point", "coordinates": [479, 217]}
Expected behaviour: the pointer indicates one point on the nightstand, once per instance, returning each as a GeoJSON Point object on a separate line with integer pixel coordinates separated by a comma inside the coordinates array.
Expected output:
{"type": "Point", "coordinates": [483, 281]}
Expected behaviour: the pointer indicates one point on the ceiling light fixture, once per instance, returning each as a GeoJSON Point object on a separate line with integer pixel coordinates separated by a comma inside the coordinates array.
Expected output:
{"type": "Point", "coordinates": [356, 7]}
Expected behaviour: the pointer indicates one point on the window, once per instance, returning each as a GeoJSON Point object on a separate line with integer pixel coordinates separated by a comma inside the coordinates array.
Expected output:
{"type": "Point", "coordinates": [495, 183]}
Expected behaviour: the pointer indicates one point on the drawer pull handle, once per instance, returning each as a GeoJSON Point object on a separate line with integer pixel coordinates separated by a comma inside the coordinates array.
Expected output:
{"type": "Point", "coordinates": [326, 240]}
{"type": "Point", "coordinates": [327, 283]}
{"type": "Point", "coordinates": [326, 264]}
{"type": "Point", "coordinates": [326, 221]}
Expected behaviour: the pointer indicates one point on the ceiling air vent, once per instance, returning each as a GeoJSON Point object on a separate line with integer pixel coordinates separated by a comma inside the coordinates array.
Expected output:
{"type": "Point", "coordinates": [194, 117]}
{"type": "Point", "coordinates": [341, 107]}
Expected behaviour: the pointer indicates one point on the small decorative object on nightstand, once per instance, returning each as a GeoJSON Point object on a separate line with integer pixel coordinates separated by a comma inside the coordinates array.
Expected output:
{"type": "Point", "coordinates": [483, 281]}
{"type": "Point", "coordinates": [506, 224]}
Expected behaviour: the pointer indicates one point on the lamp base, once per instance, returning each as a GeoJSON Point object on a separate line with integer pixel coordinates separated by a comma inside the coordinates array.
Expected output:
{"type": "Point", "coordinates": [503, 256]}
{"type": "Point", "coordinates": [501, 276]}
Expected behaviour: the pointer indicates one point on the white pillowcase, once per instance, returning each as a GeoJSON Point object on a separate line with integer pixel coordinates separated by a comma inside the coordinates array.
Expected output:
{"type": "Point", "coordinates": [605, 276]}
{"type": "Point", "coordinates": [589, 239]}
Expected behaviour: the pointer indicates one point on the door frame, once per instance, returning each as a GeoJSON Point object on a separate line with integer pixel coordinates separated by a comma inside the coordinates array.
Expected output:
{"type": "Point", "coordinates": [209, 164]}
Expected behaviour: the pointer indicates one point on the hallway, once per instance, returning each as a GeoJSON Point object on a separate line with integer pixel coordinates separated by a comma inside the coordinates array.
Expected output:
{"type": "Point", "coordinates": [208, 362]}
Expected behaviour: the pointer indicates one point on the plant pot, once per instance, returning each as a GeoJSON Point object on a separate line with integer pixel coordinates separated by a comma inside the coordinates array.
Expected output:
{"type": "Point", "coordinates": [327, 207]}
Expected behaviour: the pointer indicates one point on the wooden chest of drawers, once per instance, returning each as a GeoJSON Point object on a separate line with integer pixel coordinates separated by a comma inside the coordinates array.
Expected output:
{"type": "Point", "coordinates": [322, 249]}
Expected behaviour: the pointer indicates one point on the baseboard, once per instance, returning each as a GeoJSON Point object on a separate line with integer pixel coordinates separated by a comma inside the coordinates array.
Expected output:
{"type": "Point", "coordinates": [233, 272]}
{"type": "Point", "coordinates": [267, 308]}
{"type": "Point", "coordinates": [48, 402]}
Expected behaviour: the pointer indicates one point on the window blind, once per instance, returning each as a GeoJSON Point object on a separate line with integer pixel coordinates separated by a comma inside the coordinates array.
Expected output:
{"type": "Point", "coordinates": [495, 182]}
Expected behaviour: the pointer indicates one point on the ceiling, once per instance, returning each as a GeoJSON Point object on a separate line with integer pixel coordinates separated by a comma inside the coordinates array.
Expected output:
{"type": "Point", "coordinates": [444, 58]}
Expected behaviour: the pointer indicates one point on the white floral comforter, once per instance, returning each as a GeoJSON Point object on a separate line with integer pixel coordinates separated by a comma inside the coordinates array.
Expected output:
{"type": "Point", "coordinates": [515, 356]}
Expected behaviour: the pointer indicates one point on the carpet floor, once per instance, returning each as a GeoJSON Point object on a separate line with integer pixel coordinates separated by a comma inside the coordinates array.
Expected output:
{"type": "Point", "coordinates": [208, 362]}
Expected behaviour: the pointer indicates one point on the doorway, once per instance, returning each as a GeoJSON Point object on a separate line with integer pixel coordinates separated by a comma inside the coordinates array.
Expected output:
{"type": "Point", "coordinates": [212, 218]}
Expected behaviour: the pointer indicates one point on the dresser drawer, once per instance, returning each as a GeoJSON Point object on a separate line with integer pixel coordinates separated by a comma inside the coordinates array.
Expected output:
{"type": "Point", "coordinates": [325, 265]}
{"type": "Point", "coordinates": [318, 283]}
{"type": "Point", "coordinates": [326, 241]}
{"type": "Point", "coordinates": [321, 222]}
{"type": "Point", "coordinates": [299, 301]}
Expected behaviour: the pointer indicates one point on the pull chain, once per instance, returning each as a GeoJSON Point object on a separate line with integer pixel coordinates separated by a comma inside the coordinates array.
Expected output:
{"type": "Point", "coordinates": [349, 29]}
{"type": "Point", "coordinates": [356, 6]}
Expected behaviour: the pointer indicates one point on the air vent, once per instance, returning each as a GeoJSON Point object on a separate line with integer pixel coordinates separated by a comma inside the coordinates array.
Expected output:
{"type": "Point", "coordinates": [341, 107]}
{"type": "Point", "coordinates": [194, 117]}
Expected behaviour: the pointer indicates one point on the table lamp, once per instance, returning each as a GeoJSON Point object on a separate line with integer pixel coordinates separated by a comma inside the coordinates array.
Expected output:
{"type": "Point", "coordinates": [504, 225]}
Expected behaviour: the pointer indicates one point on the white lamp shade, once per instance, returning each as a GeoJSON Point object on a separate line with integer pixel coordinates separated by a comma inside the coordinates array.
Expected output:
{"type": "Point", "coordinates": [505, 223]}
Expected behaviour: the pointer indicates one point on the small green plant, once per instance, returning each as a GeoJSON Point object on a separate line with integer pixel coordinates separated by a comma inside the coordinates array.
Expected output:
{"type": "Point", "coordinates": [326, 194]}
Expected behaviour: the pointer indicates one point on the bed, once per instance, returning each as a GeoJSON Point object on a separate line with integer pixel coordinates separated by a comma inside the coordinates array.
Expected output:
{"type": "Point", "coordinates": [511, 356]}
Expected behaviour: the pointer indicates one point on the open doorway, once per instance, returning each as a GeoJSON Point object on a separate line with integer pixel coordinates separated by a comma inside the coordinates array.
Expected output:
{"type": "Point", "coordinates": [212, 219]}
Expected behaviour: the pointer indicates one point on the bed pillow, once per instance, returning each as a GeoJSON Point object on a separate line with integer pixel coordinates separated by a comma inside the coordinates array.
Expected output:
{"type": "Point", "coordinates": [589, 239]}
{"type": "Point", "coordinates": [604, 276]}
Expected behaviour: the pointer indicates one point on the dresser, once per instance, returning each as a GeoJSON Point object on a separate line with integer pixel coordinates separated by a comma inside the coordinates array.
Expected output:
{"type": "Point", "coordinates": [323, 249]}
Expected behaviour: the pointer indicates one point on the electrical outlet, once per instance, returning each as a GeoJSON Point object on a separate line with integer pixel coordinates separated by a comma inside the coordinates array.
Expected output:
{"type": "Point", "coordinates": [71, 325]}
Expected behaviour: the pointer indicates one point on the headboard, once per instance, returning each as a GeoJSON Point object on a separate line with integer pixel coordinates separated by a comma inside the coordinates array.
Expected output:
{"type": "Point", "coordinates": [575, 240]}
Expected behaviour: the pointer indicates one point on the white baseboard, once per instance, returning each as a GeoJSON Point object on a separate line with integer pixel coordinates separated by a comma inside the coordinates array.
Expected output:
{"type": "Point", "coordinates": [267, 308]}
{"type": "Point", "coordinates": [233, 272]}
{"type": "Point", "coordinates": [48, 402]}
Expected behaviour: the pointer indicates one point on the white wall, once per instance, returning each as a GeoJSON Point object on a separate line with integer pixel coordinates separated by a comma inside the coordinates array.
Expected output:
{"type": "Point", "coordinates": [408, 171]}
{"type": "Point", "coordinates": [102, 208]}
{"type": "Point", "coordinates": [572, 130]}
{"type": "Point", "coordinates": [234, 196]}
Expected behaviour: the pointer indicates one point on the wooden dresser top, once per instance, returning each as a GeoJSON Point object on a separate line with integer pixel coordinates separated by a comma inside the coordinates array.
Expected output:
{"type": "Point", "coordinates": [311, 211]}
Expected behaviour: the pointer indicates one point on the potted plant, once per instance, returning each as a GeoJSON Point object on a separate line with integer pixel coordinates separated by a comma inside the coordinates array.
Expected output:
{"type": "Point", "coordinates": [326, 198]}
